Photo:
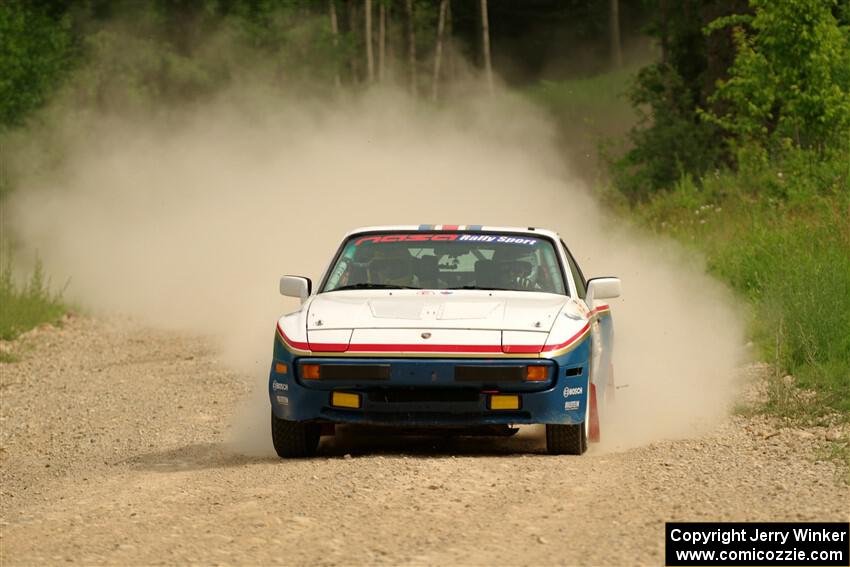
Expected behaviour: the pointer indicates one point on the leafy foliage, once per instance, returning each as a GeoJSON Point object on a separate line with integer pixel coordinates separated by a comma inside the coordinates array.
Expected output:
{"type": "Point", "coordinates": [172, 52]}
{"type": "Point", "coordinates": [764, 189]}
{"type": "Point", "coordinates": [784, 84]}
{"type": "Point", "coordinates": [790, 82]}
{"type": "Point", "coordinates": [126, 54]}
{"type": "Point", "coordinates": [134, 51]}
{"type": "Point", "coordinates": [35, 54]}
{"type": "Point", "coordinates": [670, 138]}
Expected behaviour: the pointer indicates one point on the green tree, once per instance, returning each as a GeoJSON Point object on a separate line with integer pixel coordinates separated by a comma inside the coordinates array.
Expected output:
{"type": "Point", "coordinates": [790, 81]}
{"type": "Point", "coordinates": [670, 138]}
{"type": "Point", "coordinates": [35, 53]}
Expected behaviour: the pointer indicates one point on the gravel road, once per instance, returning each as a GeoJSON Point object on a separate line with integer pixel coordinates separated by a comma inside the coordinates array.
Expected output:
{"type": "Point", "coordinates": [113, 451]}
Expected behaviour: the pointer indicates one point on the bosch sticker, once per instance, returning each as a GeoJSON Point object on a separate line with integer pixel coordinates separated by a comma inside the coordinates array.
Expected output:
{"type": "Point", "coordinates": [277, 386]}
{"type": "Point", "coordinates": [573, 391]}
{"type": "Point", "coordinates": [572, 405]}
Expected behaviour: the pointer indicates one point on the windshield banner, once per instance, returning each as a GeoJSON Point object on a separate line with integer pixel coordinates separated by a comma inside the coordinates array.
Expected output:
{"type": "Point", "coordinates": [497, 238]}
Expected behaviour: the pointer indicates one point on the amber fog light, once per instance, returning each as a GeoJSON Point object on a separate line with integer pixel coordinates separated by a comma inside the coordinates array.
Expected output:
{"type": "Point", "coordinates": [536, 374]}
{"type": "Point", "coordinates": [345, 400]}
{"type": "Point", "coordinates": [504, 402]}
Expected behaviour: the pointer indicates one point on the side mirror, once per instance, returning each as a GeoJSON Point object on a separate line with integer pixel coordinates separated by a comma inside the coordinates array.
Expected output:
{"type": "Point", "coordinates": [296, 286]}
{"type": "Point", "coordinates": [603, 288]}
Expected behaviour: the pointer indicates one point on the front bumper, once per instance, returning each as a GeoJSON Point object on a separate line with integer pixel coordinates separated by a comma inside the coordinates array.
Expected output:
{"type": "Point", "coordinates": [418, 392]}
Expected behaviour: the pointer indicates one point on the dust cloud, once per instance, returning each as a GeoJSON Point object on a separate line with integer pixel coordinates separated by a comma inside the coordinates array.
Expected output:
{"type": "Point", "coordinates": [186, 220]}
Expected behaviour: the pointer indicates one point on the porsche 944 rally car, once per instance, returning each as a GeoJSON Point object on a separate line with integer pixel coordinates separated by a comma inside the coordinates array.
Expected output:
{"type": "Point", "coordinates": [444, 326]}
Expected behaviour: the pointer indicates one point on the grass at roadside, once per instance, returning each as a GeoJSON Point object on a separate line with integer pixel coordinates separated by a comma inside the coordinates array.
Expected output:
{"type": "Point", "coordinates": [777, 233]}
{"type": "Point", "coordinates": [840, 451]}
{"type": "Point", "coordinates": [789, 256]}
{"type": "Point", "coordinates": [25, 306]}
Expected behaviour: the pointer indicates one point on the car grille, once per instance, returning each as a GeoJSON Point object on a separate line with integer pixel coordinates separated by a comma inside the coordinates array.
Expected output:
{"type": "Point", "coordinates": [422, 395]}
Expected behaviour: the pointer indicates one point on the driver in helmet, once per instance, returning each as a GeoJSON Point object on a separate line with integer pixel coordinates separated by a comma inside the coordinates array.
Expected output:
{"type": "Point", "coordinates": [515, 268]}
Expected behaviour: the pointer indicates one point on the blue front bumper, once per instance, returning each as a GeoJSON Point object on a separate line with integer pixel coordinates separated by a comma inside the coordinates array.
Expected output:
{"type": "Point", "coordinates": [428, 391]}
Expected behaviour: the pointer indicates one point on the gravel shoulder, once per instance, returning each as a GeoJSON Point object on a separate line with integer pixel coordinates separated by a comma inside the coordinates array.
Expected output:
{"type": "Point", "coordinates": [113, 451]}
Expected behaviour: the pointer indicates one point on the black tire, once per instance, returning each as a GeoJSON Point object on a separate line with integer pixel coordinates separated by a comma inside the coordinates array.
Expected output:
{"type": "Point", "coordinates": [294, 439]}
{"type": "Point", "coordinates": [566, 439]}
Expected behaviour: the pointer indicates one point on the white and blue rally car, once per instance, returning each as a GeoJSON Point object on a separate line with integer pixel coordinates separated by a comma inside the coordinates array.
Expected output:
{"type": "Point", "coordinates": [444, 326]}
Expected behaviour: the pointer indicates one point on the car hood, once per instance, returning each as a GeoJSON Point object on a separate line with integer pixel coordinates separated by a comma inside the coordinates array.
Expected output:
{"type": "Point", "coordinates": [423, 309]}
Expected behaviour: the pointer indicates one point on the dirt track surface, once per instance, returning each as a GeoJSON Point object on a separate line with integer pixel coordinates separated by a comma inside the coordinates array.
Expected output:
{"type": "Point", "coordinates": [112, 445]}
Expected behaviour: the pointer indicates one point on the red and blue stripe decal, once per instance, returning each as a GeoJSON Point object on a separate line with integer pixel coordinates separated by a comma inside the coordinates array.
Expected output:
{"type": "Point", "coordinates": [450, 227]}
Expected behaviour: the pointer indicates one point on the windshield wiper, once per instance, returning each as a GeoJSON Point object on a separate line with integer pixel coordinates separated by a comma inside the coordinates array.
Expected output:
{"type": "Point", "coordinates": [364, 285]}
{"type": "Point", "coordinates": [483, 288]}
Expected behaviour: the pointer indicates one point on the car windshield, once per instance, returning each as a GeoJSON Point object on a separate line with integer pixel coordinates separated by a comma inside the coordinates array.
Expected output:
{"type": "Point", "coordinates": [444, 261]}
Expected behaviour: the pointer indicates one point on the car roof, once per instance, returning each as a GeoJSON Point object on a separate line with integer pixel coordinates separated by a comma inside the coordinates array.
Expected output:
{"type": "Point", "coordinates": [456, 228]}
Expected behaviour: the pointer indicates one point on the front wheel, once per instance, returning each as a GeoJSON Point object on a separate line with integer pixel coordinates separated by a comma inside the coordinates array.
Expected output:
{"type": "Point", "coordinates": [294, 439]}
{"type": "Point", "coordinates": [566, 439]}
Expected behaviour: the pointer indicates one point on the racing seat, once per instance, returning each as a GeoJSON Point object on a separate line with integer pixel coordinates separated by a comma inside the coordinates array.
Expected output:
{"type": "Point", "coordinates": [427, 271]}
